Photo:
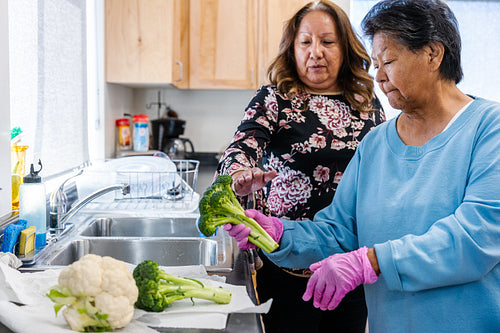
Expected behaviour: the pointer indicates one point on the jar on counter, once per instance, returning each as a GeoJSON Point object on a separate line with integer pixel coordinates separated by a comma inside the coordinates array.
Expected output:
{"type": "Point", "coordinates": [141, 132]}
{"type": "Point", "coordinates": [124, 137]}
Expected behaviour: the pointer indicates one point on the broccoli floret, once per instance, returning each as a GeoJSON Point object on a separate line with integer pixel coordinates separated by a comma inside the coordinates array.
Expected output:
{"type": "Point", "coordinates": [158, 289]}
{"type": "Point", "coordinates": [219, 206]}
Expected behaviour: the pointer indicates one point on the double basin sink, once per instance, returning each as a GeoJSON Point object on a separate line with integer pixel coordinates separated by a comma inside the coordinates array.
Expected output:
{"type": "Point", "coordinates": [170, 241]}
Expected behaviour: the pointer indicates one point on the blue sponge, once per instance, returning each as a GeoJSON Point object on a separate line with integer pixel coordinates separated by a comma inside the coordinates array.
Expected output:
{"type": "Point", "coordinates": [22, 223]}
{"type": "Point", "coordinates": [11, 235]}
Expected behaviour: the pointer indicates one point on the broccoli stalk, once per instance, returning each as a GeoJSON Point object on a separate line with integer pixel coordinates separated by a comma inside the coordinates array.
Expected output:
{"type": "Point", "coordinates": [80, 313]}
{"type": "Point", "coordinates": [219, 206]}
{"type": "Point", "coordinates": [158, 289]}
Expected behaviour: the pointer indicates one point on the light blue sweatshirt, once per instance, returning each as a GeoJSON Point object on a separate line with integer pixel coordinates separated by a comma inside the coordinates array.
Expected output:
{"type": "Point", "coordinates": [432, 213]}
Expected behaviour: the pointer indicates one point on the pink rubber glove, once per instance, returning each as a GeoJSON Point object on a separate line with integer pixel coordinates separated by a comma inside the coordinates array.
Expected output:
{"type": "Point", "coordinates": [337, 275]}
{"type": "Point", "coordinates": [272, 225]}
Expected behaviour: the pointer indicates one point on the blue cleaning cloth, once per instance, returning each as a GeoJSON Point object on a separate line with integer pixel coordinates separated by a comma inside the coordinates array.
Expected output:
{"type": "Point", "coordinates": [22, 223]}
{"type": "Point", "coordinates": [11, 235]}
{"type": "Point", "coordinates": [40, 240]}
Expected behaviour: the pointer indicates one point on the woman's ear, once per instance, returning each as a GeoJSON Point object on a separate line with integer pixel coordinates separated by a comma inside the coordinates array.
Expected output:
{"type": "Point", "coordinates": [435, 52]}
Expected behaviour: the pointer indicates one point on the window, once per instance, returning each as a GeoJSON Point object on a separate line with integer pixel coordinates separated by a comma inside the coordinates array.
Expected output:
{"type": "Point", "coordinates": [48, 80]}
{"type": "Point", "coordinates": [479, 26]}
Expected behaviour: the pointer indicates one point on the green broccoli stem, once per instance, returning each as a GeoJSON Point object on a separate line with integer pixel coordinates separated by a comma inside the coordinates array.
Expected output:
{"type": "Point", "coordinates": [258, 235]}
{"type": "Point", "coordinates": [176, 280]}
{"type": "Point", "coordinates": [210, 226]}
{"type": "Point", "coordinates": [190, 288]}
{"type": "Point", "coordinates": [215, 294]}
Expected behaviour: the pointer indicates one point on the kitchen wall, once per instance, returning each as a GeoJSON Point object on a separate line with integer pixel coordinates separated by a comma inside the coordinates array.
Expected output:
{"type": "Point", "coordinates": [211, 115]}
{"type": "Point", "coordinates": [117, 101]}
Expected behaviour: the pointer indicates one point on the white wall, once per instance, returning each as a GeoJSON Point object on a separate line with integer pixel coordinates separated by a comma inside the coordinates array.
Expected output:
{"type": "Point", "coordinates": [117, 101]}
{"type": "Point", "coordinates": [5, 177]}
{"type": "Point", "coordinates": [211, 115]}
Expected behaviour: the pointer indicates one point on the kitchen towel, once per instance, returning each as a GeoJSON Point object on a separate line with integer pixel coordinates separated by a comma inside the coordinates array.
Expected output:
{"type": "Point", "coordinates": [25, 308]}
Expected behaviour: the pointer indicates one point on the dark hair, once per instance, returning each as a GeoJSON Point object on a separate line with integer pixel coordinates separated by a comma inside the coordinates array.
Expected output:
{"type": "Point", "coordinates": [353, 76]}
{"type": "Point", "coordinates": [417, 23]}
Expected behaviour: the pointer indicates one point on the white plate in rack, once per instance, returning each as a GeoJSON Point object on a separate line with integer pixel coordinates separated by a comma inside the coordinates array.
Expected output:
{"type": "Point", "coordinates": [142, 164]}
{"type": "Point", "coordinates": [147, 176]}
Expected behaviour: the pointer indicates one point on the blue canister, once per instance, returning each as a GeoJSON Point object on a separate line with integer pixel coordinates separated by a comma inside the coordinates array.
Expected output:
{"type": "Point", "coordinates": [141, 133]}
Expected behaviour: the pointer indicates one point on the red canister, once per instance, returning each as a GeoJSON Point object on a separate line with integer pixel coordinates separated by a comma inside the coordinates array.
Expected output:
{"type": "Point", "coordinates": [124, 139]}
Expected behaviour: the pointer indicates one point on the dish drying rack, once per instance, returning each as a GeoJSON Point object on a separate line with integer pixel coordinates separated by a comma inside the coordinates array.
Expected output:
{"type": "Point", "coordinates": [156, 192]}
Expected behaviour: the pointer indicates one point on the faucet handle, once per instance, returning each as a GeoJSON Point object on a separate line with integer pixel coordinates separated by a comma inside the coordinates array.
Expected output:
{"type": "Point", "coordinates": [59, 202]}
{"type": "Point", "coordinates": [126, 189]}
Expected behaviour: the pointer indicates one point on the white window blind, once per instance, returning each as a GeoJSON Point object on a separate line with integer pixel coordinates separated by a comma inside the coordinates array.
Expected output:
{"type": "Point", "coordinates": [48, 81]}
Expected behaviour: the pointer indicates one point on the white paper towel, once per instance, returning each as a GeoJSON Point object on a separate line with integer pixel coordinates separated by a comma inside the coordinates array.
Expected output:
{"type": "Point", "coordinates": [29, 319]}
{"type": "Point", "coordinates": [37, 313]}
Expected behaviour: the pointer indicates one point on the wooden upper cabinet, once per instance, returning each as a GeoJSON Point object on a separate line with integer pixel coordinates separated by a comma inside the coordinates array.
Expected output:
{"type": "Point", "coordinates": [273, 14]}
{"type": "Point", "coordinates": [147, 42]}
{"type": "Point", "coordinates": [197, 44]}
{"type": "Point", "coordinates": [223, 50]}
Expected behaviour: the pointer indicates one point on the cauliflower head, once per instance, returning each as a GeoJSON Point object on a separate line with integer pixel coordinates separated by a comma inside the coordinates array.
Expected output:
{"type": "Point", "coordinates": [98, 292]}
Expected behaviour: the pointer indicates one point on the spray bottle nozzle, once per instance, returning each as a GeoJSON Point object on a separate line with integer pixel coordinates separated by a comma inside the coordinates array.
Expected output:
{"type": "Point", "coordinates": [33, 177]}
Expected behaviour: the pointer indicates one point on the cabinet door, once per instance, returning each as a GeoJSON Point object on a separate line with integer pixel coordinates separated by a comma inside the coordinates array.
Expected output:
{"type": "Point", "coordinates": [273, 15]}
{"type": "Point", "coordinates": [144, 41]}
{"type": "Point", "coordinates": [223, 44]}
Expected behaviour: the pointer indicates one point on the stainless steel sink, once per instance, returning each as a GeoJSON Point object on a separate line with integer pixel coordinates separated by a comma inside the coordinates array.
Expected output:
{"type": "Point", "coordinates": [142, 227]}
{"type": "Point", "coordinates": [165, 251]}
{"type": "Point", "coordinates": [170, 241]}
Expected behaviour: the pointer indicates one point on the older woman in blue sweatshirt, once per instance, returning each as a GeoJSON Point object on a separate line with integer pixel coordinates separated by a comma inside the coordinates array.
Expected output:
{"type": "Point", "coordinates": [416, 216]}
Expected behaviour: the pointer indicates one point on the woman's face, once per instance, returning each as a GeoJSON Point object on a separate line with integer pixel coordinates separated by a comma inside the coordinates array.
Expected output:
{"type": "Point", "coordinates": [404, 76]}
{"type": "Point", "coordinates": [318, 53]}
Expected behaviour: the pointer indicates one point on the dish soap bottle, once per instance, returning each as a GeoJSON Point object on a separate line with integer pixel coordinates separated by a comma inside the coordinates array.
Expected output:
{"type": "Point", "coordinates": [33, 204]}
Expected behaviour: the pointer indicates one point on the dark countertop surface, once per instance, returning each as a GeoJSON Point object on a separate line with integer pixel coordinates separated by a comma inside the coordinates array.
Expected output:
{"type": "Point", "coordinates": [236, 322]}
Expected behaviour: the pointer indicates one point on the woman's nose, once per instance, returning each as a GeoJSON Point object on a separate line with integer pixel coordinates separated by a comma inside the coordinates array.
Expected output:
{"type": "Point", "coordinates": [380, 75]}
{"type": "Point", "coordinates": [316, 50]}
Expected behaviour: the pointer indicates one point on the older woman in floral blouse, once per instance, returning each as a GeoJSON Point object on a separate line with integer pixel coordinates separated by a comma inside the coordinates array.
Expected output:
{"type": "Point", "coordinates": [295, 141]}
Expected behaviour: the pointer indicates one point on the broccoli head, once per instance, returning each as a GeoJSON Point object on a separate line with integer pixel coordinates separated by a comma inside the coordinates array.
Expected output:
{"type": "Point", "coordinates": [219, 206]}
{"type": "Point", "coordinates": [158, 289]}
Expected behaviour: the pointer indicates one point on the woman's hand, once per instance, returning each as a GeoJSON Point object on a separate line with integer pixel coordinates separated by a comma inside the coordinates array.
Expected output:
{"type": "Point", "coordinates": [272, 225]}
{"type": "Point", "coordinates": [246, 181]}
{"type": "Point", "coordinates": [337, 275]}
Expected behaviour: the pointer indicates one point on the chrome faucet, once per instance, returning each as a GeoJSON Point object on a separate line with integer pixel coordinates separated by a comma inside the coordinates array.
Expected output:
{"type": "Point", "coordinates": [58, 221]}
{"type": "Point", "coordinates": [59, 202]}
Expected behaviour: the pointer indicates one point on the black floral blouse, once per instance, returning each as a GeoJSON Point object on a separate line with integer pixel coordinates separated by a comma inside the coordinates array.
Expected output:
{"type": "Point", "coordinates": [309, 140]}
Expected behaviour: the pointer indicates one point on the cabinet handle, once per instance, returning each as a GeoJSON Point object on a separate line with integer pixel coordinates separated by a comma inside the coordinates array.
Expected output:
{"type": "Point", "coordinates": [180, 71]}
{"type": "Point", "coordinates": [252, 79]}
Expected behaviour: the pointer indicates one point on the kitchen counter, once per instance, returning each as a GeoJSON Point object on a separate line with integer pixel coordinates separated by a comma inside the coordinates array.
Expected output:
{"type": "Point", "coordinates": [236, 322]}
{"type": "Point", "coordinates": [241, 274]}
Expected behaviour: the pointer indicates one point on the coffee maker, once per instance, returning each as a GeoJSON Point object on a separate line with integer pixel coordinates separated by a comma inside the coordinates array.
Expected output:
{"type": "Point", "coordinates": [166, 132]}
